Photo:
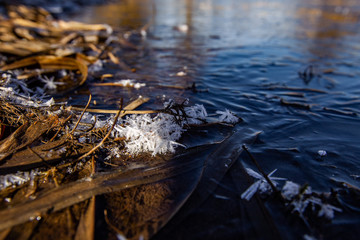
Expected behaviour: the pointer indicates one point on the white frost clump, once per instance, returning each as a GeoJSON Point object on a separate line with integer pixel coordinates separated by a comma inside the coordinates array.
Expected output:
{"type": "Point", "coordinates": [299, 205]}
{"type": "Point", "coordinates": [327, 211]}
{"type": "Point", "coordinates": [227, 116]}
{"type": "Point", "coordinates": [87, 118]}
{"type": "Point", "coordinates": [322, 153]}
{"type": "Point", "coordinates": [291, 189]}
{"type": "Point", "coordinates": [9, 94]}
{"type": "Point", "coordinates": [49, 103]}
{"type": "Point", "coordinates": [143, 133]}
{"type": "Point", "coordinates": [17, 92]}
{"type": "Point", "coordinates": [16, 179]}
{"type": "Point", "coordinates": [130, 83]}
{"type": "Point", "coordinates": [299, 201]}
{"type": "Point", "coordinates": [260, 185]}
{"type": "Point", "coordinates": [196, 114]}
{"type": "Point", "coordinates": [158, 134]}
{"type": "Point", "coordinates": [96, 66]}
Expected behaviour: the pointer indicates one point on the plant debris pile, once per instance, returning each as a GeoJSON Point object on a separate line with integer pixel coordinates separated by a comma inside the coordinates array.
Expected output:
{"type": "Point", "coordinates": [49, 54]}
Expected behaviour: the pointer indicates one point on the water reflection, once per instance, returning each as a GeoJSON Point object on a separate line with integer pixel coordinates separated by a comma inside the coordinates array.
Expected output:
{"type": "Point", "coordinates": [126, 14]}
{"type": "Point", "coordinates": [234, 22]}
{"type": "Point", "coordinates": [322, 20]}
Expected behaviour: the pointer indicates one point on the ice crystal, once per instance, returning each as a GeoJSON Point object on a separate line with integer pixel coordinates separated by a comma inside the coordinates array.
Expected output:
{"type": "Point", "coordinates": [308, 237]}
{"type": "Point", "coordinates": [327, 211]}
{"type": "Point", "coordinates": [120, 237]}
{"type": "Point", "coordinates": [49, 103]}
{"type": "Point", "coordinates": [17, 92]}
{"type": "Point", "coordinates": [227, 116]}
{"type": "Point", "coordinates": [114, 152]}
{"type": "Point", "coordinates": [16, 179]}
{"type": "Point", "coordinates": [301, 201]}
{"type": "Point", "coordinates": [109, 29]}
{"type": "Point", "coordinates": [130, 83]}
{"type": "Point", "coordinates": [182, 28]}
{"type": "Point", "coordinates": [196, 113]}
{"type": "Point", "coordinates": [260, 185]}
{"type": "Point", "coordinates": [87, 118]}
{"type": "Point", "coordinates": [299, 205]}
{"type": "Point", "coordinates": [19, 86]}
{"type": "Point", "coordinates": [96, 66]}
{"type": "Point", "coordinates": [111, 39]}
{"type": "Point", "coordinates": [181, 74]}
{"type": "Point", "coordinates": [291, 189]}
{"type": "Point", "coordinates": [9, 94]}
{"type": "Point", "coordinates": [101, 123]}
{"type": "Point", "coordinates": [322, 153]}
{"type": "Point", "coordinates": [157, 135]}
{"type": "Point", "coordinates": [50, 84]}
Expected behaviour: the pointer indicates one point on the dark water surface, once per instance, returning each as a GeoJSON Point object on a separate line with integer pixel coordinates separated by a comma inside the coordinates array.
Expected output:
{"type": "Point", "coordinates": [246, 56]}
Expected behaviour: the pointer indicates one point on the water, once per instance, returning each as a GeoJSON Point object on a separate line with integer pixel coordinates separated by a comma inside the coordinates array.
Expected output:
{"type": "Point", "coordinates": [251, 57]}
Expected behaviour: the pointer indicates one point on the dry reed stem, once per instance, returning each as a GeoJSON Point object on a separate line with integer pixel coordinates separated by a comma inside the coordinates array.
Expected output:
{"type": "Point", "coordinates": [82, 114]}
{"type": "Point", "coordinates": [123, 112]}
{"type": "Point", "coordinates": [128, 109]}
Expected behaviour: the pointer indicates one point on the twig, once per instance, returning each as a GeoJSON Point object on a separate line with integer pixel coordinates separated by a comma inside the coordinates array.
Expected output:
{"type": "Point", "coordinates": [259, 168]}
{"type": "Point", "coordinates": [60, 127]}
{"type": "Point", "coordinates": [115, 229]}
{"type": "Point", "coordinates": [111, 164]}
{"type": "Point", "coordinates": [93, 166]}
{"type": "Point", "coordinates": [107, 135]}
{"type": "Point", "coordinates": [82, 114]}
{"type": "Point", "coordinates": [295, 104]}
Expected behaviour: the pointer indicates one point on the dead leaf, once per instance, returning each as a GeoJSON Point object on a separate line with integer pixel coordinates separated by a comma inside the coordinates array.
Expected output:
{"type": "Point", "coordinates": [86, 227]}
{"type": "Point", "coordinates": [25, 159]}
{"type": "Point", "coordinates": [24, 33]}
{"type": "Point", "coordinates": [4, 233]}
{"type": "Point", "coordinates": [75, 192]}
{"type": "Point", "coordinates": [22, 137]}
{"type": "Point", "coordinates": [53, 63]}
